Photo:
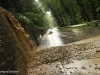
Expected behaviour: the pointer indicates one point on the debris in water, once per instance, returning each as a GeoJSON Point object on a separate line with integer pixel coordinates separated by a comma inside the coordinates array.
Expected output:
{"type": "Point", "coordinates": [50, 32]}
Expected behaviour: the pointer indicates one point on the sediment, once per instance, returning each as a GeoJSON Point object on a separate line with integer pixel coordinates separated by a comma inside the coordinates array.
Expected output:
{"type": "Point", "coordinates": [49, 58]}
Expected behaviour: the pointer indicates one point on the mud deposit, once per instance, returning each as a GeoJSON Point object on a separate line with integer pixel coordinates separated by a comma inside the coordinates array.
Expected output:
{"type": "Point", "coordinates": [81, 58]}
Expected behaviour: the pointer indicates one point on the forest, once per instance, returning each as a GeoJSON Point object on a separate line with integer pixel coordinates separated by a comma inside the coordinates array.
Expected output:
{"type": "Point", "coordinates": [50, 37]}
{"type": "Point", "coordinates": [32, 13]}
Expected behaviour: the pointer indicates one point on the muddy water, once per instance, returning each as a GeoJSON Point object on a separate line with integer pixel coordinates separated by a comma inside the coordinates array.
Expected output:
{"type": "Point", "coordinates": [51, 39]}
{"type": "Point", "coordinates": [85, 60]}
{"type": "Point", "coordinates": [65, 36]}
{"type": "Point", "coordinates": [69, 35]}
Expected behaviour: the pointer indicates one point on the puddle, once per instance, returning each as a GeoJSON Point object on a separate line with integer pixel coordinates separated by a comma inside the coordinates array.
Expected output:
{"type": "Point", "coordinates": [84, 67]}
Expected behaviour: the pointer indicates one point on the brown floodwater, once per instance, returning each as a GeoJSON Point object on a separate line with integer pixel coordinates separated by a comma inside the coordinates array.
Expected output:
{"type": "Point", "coordinates": [75, 34]}
{"type": "Point", "coordinates": [84, 60]}
{"type": "Point", "coordinates": [63, 36]}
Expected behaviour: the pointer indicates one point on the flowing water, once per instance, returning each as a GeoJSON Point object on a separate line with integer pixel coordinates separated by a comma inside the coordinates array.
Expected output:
{"type": "Point", "coordinates": [76, 34]}
{"type": "Point", "coordinates": [63, 36]}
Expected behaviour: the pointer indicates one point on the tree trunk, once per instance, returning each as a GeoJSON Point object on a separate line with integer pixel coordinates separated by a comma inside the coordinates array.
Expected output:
{"type": "Point", "coordinates": [93, 9]}
{"type": "Point", "coordinates": [55, 15]}
{"type": "Point", "coordinates": [83, 11]}
{"type": "Point", "coordinates": [99, 6]}
{"type": "Point", "coordinates": [66, 9]}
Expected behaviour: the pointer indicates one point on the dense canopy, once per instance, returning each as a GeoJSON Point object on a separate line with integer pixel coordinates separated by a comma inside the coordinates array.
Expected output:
{"type": "Point", "coordinates": [65, 12]}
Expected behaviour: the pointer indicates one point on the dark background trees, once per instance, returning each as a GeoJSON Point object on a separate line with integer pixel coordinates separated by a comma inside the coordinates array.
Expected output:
{"type": "Point", "coordinates": [65, 12]}
{"type": "Point", "coordinates": [27, 12]}
{"type": "Point", "coordinates": [69, 12]}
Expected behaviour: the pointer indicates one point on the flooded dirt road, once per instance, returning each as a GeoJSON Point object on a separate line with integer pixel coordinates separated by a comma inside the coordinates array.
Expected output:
{"type": "Point", "coordinates": [76, 58]}
{"type": "Point", "coordinates": [63, 36]}
{"type": "Point", "coordinates": [84, 67]}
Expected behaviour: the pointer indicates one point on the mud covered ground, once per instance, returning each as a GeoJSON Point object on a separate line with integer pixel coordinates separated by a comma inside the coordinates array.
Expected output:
{"type": "Point", "coordinates": [79, 58]}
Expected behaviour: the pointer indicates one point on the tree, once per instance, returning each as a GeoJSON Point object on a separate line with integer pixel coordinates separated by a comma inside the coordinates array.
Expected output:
{"type": "Point", "coordinates": [83, 11]}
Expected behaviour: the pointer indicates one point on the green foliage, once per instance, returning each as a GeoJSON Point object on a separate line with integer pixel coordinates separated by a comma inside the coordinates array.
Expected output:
{"type": "Point", "coordinates": [20, 17]}
{"type": "Point", "coordinates": [55, 7]}
{"type": "Point", "coordinates": [28, 13]}
{"type": "Point", "coordinates": [65, 12]}
{"type": "Point", "coordinates": [98, 9]}
{"type": "Point", "coordinates": [68, 12]}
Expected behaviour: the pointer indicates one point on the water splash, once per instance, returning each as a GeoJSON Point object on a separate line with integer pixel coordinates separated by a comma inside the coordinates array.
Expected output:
{"type": "Point", "coordinates": [51, 39]}
{"type": "Point", "coordinates": [54, 37]}
{"type": "Point", "coordinates": [22, 39]}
